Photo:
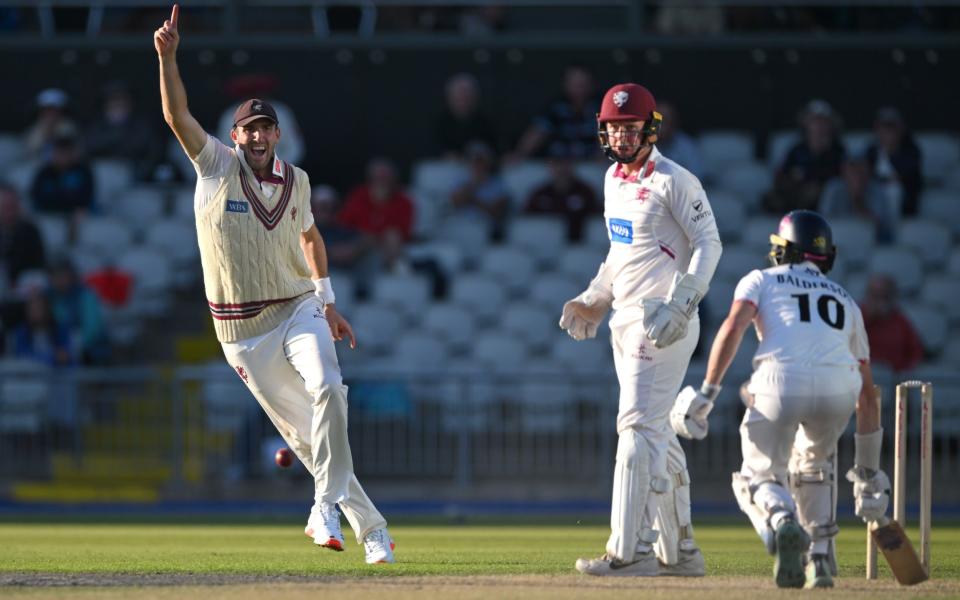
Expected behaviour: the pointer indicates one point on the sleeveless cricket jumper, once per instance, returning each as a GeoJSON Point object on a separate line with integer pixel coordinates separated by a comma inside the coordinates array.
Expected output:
{"type": "Point", "coordinates": [270, 324]}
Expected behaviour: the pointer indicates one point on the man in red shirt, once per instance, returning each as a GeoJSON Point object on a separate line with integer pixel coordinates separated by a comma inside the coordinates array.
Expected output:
{"type": "Point", "coordinates": [893, 340]}
{"type": "Point", "coordinates": [381, 209]}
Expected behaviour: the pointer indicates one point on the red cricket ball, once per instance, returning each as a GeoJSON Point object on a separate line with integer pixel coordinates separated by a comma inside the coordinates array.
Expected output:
{"type": "Point", "coordinates": [284, 457]}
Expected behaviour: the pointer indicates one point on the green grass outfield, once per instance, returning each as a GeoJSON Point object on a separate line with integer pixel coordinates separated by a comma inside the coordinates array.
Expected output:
{"type": "Point", "coordinates": [481, 559]}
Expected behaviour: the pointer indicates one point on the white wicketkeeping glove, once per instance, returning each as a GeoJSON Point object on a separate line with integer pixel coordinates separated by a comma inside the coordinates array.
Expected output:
{"type": "Point", "coordinates": [665, 322]}
{"type": "Point", "coordinates": [691, 409]}
{"type": "Point", "coordinates": [871, 493]}
{"type": "Point", "coordinates": [582, 315]}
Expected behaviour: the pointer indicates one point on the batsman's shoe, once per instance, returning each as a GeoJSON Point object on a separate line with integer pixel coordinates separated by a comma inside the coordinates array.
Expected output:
{"type": "Point", "coordinates": [792, 543]}
{"type": "Point", "coordinates": [645, 565]}
{"type": "Point", "coordinates": [378, 546]}
{"type": "Point", "coordinates": [818, 572]}
{"type": "Point", "coordinates": [324, 527]}
{"type": "Point", "coordinates": [689, 564]}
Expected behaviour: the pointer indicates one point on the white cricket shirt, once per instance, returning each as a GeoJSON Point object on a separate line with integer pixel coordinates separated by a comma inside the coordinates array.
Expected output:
{"type": "Point", "coordinates": [803, 318]}
{"type": "Point", "coordinates": [659, 223]}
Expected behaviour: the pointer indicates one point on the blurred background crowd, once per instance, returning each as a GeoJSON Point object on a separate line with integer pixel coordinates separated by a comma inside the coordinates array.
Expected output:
{"type": "Point", "coordinates": [451, 249]}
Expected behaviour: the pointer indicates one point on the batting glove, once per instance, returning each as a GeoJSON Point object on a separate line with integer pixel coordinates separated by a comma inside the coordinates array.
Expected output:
{"type": "Point", "coordinates": [691, 409]}
{"type": "Point", "coordinates": [871, 493]}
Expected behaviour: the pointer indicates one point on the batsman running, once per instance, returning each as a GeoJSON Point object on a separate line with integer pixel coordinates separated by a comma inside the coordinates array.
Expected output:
{"type": "Point", "coordinates": [273, 306]}
{"type": "Point", "coordinates": [664, 248]}
{"type": "Point", "coordinates": [811, 371]}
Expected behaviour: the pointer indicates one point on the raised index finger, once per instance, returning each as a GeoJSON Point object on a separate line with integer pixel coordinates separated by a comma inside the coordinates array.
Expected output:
{"type": "Point", "coordinates": [175, 15]}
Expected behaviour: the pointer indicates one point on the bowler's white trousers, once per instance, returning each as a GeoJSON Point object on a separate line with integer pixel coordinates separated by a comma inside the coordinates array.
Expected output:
{"type": "Point", "coordinates": [294, 374]}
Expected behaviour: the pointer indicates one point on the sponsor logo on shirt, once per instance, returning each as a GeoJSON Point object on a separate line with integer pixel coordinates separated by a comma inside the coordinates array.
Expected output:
{"type": "Point", "coordinates": [237, 206]}
{"type": "Point", "coordinates": [642, 194]}
{"type": "Point", "coordinates": [621, 231]}
{"type": "Point", "coordinates": [698, 205]}
{"type": "Point", "coordinates": [701, 216]}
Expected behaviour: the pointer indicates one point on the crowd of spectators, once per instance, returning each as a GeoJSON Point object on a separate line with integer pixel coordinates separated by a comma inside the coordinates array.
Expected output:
{"type": "Point", "coordinates": [370, 226]}
{"type": "Point", "coordinates": [880, 185]}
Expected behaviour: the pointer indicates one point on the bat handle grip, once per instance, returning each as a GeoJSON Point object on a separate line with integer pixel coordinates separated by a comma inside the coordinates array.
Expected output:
{"type": "Point", "coordinates": [882, 521]}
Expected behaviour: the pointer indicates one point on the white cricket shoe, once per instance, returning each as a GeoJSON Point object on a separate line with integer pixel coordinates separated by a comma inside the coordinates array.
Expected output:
{"type": "Point", "coordinates": [689, 564]}
{"type": "Point", "coordinates": [378, 546]}
{"type": "Point", "coordinates": [645, 565]}
{"type": "Point", "coordinates": [324, 526]}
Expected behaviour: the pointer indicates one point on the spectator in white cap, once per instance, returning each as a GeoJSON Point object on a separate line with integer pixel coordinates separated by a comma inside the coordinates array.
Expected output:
{"type": "Point", "coordinates": [52, 121]}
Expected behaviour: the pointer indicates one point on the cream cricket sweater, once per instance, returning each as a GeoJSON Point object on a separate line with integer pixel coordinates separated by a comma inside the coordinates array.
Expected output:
{"type": "Point", "coordinates": [253, 268]}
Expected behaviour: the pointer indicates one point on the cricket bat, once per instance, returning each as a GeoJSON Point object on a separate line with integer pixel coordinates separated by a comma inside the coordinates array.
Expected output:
{"type": "Point", "coordinates": [897, 549]}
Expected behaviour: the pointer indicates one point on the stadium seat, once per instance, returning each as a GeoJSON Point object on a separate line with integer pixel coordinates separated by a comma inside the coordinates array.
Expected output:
{"type": "Point", "coordinates": [940, 205]}
{"type": "Point", "coordinates": [53, 230]}
{"type": "Point", "coordinates": [748, 181]}
{"type": "Point", "coordinates": [953, 262]}
{"type": "Point", "coordinates": [438, 177]}
{"type": "Point", "coordinates": [111, 176]}
{"type": "Point", "coordinates": [587, 357]}
{"type": "Point", "coordinates": [595, 234]}
{"type": "Point", "coordinates": [481, 295]}
{"type": "Point", "coordinates": [929, 239]}
{"type": "Point", "coordinates": [593, 173]}
{"type": "Point", "coordinates": [542, 237]}
{"type": "Point", "coordinates": [20, 176]}
{"type": "Point", "coordinates": [108, 235]}
{"type": "Point", "coordinates": [736, 261]}
{"type": "Point", "coordinates": [930, 324]}
{"type": "Point", "coordinates": [448, 255]}
{"type": "Point", "coordinates": [140, 206]}
{"type": "Point", "coordinates": [152, 279]}
{"type": "Point", "coordinates": [944, 293]}
{"type": "Point", "coordinates": [729, 212]}
{"type": "Point", "coordinates": [430, 208]}
{"type": "Point", "coordinates": [534, 325]}
{"type": "Point", "coordinates": [183, 199]}
{"type": "Point", "coordinates": [580, 263]}
{"type": "Point", "coordinates": [86, 260]}
{"type": "Point", "coordinates": [778, 146]}
{"type": "Point", "coordinates": [854, 239]}
{"type": "Point", "coordinates": [522, 178]}
{"type": "Point", "coordinates": [855, 282]}
{"type": "Point", "coordinates": [900, 263]}
{"type": "Point", "coordinates": [178, 240]}
{"type": "Point", "coordinates": [721, 149]}
{"type": "Point", "coordinates": [449, 322]}
{"type": "Point", "coordinates": [406, 294]}
{"type": "Point", "coordinates": [344, 288]}
{"type": "Point", "coordinates": [950, 354]}
{"type": "Point", "coordinates": [420, 353]}
{"type": "Point", "coordinates": [468, 233]}
{"type": "Point", "coordinates": [376, 327]}
{"type": "Point", "coordinates": [509, 265]}
{"type": "Point", "coordinates": [756, 234]}
{"type": "Point", "coordinates": [856, 142]}
{"type": "Point", "coordinates": [551, 291]}
{"type": "Point", "coordinates": [499, 353]}
{"type": "Point", "coordinates": [940, 154]}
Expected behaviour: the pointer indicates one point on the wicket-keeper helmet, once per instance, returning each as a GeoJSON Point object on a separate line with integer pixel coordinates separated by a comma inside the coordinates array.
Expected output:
{"type": "Point", "coordinates": [628, 102]}
{"type": "Point", "coordinates": [803, 235]}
